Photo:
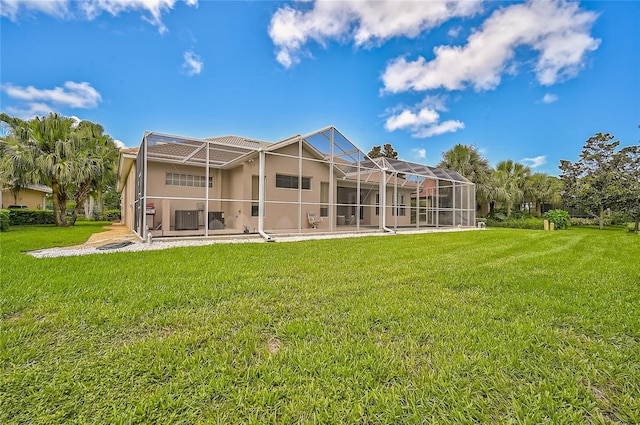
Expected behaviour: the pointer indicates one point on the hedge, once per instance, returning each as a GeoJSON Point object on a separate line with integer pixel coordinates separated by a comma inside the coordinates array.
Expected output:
{"type": "Point", "coordinates": [4, 220]}
{"type": "Point", "coordinates": [575, 221]}
{"type": "Point", "coordinates": [108, 215]}
{"type": "Point", "coordinates": [19, 217]}
{"type": "Point", "coordinates": [516, 223]}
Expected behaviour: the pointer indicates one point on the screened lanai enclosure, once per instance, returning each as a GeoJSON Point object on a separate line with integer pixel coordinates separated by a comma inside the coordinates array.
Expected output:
{"type": "Point", "coordinates": [317, 183]}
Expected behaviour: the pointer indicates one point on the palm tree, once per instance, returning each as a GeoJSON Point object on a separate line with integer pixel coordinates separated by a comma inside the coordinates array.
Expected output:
{"type": "Point", "coordinates": [95, 163]}
{"type": "Point", "coordinates": [543, 188]}
{"type": "Point", "coordinates": [467, 161]}
{"type": "Point", "coordinates": [71, 159]}
{"type": "Point", "coordinates": [38, 152]}
{"type": "Point", "coordinates": [513, 176]}
{"type": "Point", "coordinates": [494, 190]}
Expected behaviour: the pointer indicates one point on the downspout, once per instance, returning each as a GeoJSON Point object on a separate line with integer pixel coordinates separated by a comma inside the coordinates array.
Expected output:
{"type": "Point", "coordinates": [206, 194]}
{"type": "Point", "coordinates": [300, 185]}
{"type": "Point", "coordinates": [261, 172]}
{"type": "Point", "coordinates": [332, 183]}
{"type": "Point", "coordinates": [143, 203]}
{"type": "Point", "coordinates": [383, 201]}
{"type": "Point", "coordinates": [418, 202]}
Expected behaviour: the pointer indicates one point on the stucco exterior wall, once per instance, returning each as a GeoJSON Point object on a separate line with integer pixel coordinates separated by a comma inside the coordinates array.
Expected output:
{"type": "Point", "coordinates": [168, 198]}
{"type": "Point", "coordinates": [234, 194]}
{"type": "Point", "coordinates": [287, 208]}
{"type": "Point", "coordinates": [33, 199]}
{"type": "Point", "coordinates": [127, 199]}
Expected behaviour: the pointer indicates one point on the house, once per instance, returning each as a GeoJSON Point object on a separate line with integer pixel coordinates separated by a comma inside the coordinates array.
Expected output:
{"type": "Point", "coordinates": [321, 182]}
{"type": "Point", "coordinates": [31, 196]}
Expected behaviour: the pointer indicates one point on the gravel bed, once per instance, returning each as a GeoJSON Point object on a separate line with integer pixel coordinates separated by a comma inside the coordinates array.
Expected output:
{"type": "Point", "coordinates": [135, 247]}
{"type": "Point", "coordinates": [166, 244]}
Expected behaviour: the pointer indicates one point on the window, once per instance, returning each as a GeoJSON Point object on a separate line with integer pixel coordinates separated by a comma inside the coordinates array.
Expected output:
{"type": "Point", "coordinates": [255, 190]}
{"type": "Point", "coordinates": [285, 181]}
{"type": "Point", "coordinates": [187, 180]}
{"type": "Point", "coordinates": [324, 199]}
{"type": "Point", "coordinates": [401, 208]}
{"type": "Point", "coordinates": [377, 204]}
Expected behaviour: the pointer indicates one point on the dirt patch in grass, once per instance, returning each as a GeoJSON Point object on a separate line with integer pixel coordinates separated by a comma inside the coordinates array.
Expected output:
{"type": "Point", "coordinates": [115, 233]}
{"type": "Point", "coordinates": [273, 345]}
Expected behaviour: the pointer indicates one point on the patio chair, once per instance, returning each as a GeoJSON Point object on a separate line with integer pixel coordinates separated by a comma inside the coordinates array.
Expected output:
{"type": "Point", "coordinates": [313, 219]}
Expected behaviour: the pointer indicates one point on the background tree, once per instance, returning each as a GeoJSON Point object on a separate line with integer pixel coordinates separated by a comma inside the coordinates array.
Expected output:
{"type": "Point", "coordinates": [513, 178]}
{"type": "Point", "coordinates": [385, 151]}
{"type": "Point", "coordinates": [494, 190]}
{"type": "Point", "coordinates": [37, 152]}
{"type": "Point", "coordinates": [542, 188]}
{"type": "Point", "coordinates": [468, 162]}
{"type": "Point", "coordinates": [8, 179]}
{"type": "Point", "coordinates": [95, 163]}
{"type": "Point", "coordinates": [594, 183]}
{"type": "Point", "coordinates": [629, 202]}
{"type": "Point", "coordinates": [73, 160]}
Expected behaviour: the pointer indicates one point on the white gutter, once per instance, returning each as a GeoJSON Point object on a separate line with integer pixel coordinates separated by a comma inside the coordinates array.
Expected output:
{"type": "Point", "coordinates": [261, 172]}
{"type": "Point", "coordinates": [383, 201]}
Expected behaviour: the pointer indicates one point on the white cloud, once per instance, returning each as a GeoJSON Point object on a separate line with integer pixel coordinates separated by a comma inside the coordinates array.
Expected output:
{"type": "Point", "coordinates": [364, 22]}
{"type": "Point", "coordinates": [42, 101]}
{"type": "Point", "coordinates": [193, 64]}
{"type": "Point", "coordinates": [56, 8]}
{"type": "Point", "coordinates": [423, 119]}
{"type": "Point", "coordinates": [434, 102]}
{"type": "Point", "coordinates": [31, 110]}
{"type": "Point", "coordinates": [557, 31]}
{"type": "Point", "coordinates": [72, 94]}
{"type": "Point", "coordinates": [410, 119]}
{"type": "Point", "coordinates": [419, 153]}
{"type": "Point", "coordinates": [76, 121]}
{"type": "Point", "coordinates": [119, 143]}
{"type": "Point", "coordinates": [534, 162]}
{"type": "Point", "coordinates": [450, 126]}
{"type": "Point", "coordinates": [549, 98]}
{"type": "Point", "coordinates": [454, 32]}
{"type": "Point", "coordinates": [90, 9]}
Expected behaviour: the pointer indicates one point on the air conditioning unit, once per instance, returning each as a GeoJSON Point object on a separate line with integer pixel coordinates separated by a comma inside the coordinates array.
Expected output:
{"type": "Point", "coordinates": [216, 220]}
{"type": "Point", "coordinates": [186, 220]}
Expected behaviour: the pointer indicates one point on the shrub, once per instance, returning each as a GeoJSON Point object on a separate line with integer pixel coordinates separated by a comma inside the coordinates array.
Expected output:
{"type": "Point", "coordinates": [22, 217]}
{"type": "Point", "coordinates": [500, 216]}
{"type": "Point", "coordinates": [516, 223]}
{"type": "Point", "coordinates": [620, 219]}
{"type": "Point", "coordinates": [581, 221]}
{"type": "Point", "coordinates": [4, 220]}
{"type": "Point", "coordinates": [108, 215]}
{"type": "Point", "coordinates": [560, 218]}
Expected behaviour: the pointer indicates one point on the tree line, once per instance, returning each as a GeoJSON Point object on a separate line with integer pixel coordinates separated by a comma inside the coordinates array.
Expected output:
{"type": "Point", "coordinates": [76, 159]}
{"type": "Point", "coordinates": [603, 178]}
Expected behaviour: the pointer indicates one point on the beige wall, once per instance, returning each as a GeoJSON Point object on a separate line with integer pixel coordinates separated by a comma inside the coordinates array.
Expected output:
{"type": "Point", "coordinates": [285, 209]}
{"type": "Point", "coordinates": [127, 199]}
{"type": "Point", "coordinates": [236, 184]}
{"type": "Point", "coordinates": [160, 193]}
{"type": "Point", "coordinates": [33, 199]}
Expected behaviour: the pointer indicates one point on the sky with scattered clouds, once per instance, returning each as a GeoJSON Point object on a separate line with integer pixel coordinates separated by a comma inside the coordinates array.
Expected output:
{"type": "Point", "coordinates": [528, 81]}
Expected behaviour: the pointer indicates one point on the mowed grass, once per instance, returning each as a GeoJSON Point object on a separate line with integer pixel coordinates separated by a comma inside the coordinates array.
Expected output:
{"type": "Point", "coordinates": [496, 326]}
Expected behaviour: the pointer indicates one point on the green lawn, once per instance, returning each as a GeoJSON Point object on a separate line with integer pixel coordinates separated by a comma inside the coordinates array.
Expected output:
{"type": "Point", "coordinates": [496, 326]}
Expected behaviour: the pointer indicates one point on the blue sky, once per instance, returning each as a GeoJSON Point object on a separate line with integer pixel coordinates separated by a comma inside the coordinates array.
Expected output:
{"type": "Point", "coordinates": [527, 81]}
